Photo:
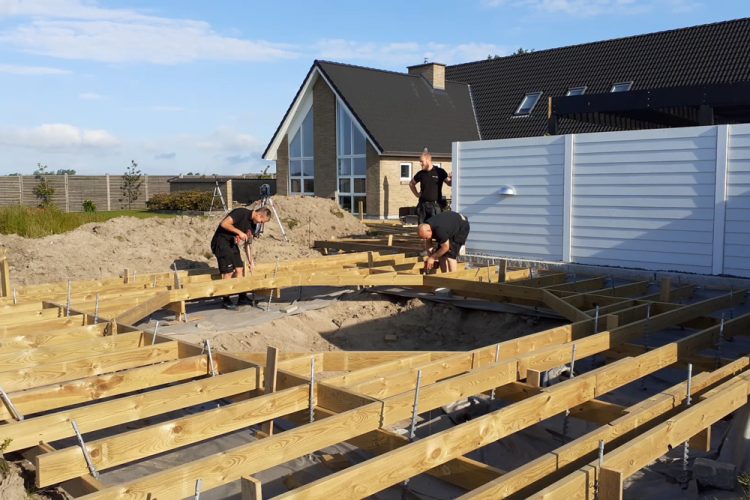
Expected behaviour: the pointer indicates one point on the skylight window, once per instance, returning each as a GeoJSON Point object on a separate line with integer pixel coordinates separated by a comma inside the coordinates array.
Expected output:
{"type": "Point", "coordinates": [621, 87]}
{"type": "Point", "coordinates": [576, 90]}
{"type": "Point", "coordinates": [528, 103]}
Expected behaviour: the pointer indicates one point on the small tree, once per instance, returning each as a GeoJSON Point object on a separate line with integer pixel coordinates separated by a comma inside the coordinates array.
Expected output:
{"type": "Point", "coordinates": [43, 190]}
{"type": "Point", "coordinates": [131, 184]}
{"type": "Point", "coordinates": [63, 171]}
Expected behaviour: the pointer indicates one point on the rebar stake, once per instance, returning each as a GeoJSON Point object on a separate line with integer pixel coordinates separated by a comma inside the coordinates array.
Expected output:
{"type": "Point", "coordinates": [153, 337]}
{"type": "Point", "coordinates": [312, 389]}
{"type": "Point", "coordinates": [720, 342]}
{"type": "Point", "coordinates": [601, 464]}
{"type": "Point", "coordinates": [15, 297]}
{"type": "Point", "coordinates": [198, 487]}
{"type": "Point", "coordinates": [96, 310]}
{"type": "Point", "coordinates": [86, 456]}
{"type": "Point", "coordinates": [686, 444]}
{"type": "Point", "coordinates": [67, 306]}
{"type": "Point", "coordinates": [415, 408]}
{"type": "Point", "coordinates": [497, 359]}
{"type": "Point", "coordinates": [211, 366]}
{"type": "Point", "coordinates": [11, 407]}
{"type": "Point", "coordinates": [270, 294]}
{"type": "Point", "coordinates": [567, 412]}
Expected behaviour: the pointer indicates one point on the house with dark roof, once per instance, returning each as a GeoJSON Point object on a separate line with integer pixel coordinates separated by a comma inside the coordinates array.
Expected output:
{"type": "Point", "coordinates": [358, 132]}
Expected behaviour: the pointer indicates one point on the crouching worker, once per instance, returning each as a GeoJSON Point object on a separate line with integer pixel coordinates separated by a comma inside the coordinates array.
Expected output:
{"type": "Point", "coordinates": [449, 230]}
{"type": "Point", "coordinates": [236, 229]}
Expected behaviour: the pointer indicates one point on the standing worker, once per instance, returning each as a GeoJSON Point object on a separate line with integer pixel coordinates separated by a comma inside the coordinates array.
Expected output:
{"type": "Point", "coordinates": [238, 227]}
{"type": "Point", "coordinates": [430, 180]}
{"type": "Point", "coordinates": [450, 231]}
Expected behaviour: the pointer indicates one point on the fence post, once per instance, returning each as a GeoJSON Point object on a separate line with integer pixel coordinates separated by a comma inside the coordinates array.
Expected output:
{"type": "Point", "coordinates": [230, 194]}
{"type": "Point", "coordinates": [145, 182]}
{"type": "Point", "coordinates": [20, 190]}
{"type": "Point", "coordinates": [109, 203]}
{"type": "Point", "coordinates": [567, 196]}
{"type": "Point", "coordinates": [720, 198]}
{"type": "Point", "coordinates": [67, 193]}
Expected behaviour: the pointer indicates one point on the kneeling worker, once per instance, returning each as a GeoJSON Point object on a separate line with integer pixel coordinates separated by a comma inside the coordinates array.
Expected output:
{"type": "Point", "coordinates": [236, 228]}
{"type": "Point", "coordinates": [449, 230]}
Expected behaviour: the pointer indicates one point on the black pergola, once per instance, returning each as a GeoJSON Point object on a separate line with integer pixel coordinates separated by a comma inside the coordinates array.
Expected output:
{"type": "Point", "coordinates": [656, 108]}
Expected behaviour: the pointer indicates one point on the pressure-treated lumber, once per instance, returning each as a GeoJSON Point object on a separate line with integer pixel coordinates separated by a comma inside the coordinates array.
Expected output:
{"type": "Point", "coordinates": [50, 397]}
{"type": "Point", "coordinates": [56, 372]}
{"type": "Point", "coordinates": [152, 440]}
{"type": "Point", "coordinates": [109, 413]}
{"type": "Point", "coordinates": [269, 382]}
{"type": "Point", "coordinates": [585, 446]}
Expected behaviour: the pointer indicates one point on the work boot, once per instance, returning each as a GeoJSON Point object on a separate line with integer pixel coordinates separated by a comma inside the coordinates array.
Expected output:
{"type": "Point", "coordinates": [227, 303]}
{"type": "Point", "coordinates": [244, 300]}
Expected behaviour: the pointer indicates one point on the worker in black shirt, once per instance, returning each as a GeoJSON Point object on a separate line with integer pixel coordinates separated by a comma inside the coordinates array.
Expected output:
{"type": "Point", "coordinates": [430, 180]}
{"type": "Point", "coordinates": [238, 227]}
{"type": "Point", "coordinates": [449, 230]}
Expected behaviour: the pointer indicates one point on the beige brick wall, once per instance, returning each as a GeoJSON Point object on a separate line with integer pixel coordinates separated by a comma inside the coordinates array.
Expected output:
{"type": "Point", "coordinates": [282, 167]}
{"type": "Point", "coordinates": [396, 193]}
{"type": "Point", "coordinates": [324, 123]}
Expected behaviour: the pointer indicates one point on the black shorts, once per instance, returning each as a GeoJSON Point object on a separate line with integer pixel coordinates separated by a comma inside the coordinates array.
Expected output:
{"type": "Point", "coordinates": [458, 240]}
{"type": "Point", "coordinates": [227, 255]}
{"type": "Point", "coordinates": [426, 209]}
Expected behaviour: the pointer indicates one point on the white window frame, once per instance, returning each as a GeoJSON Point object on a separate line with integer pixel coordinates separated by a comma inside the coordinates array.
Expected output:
{"type": "Point", "coordinates": [401, 173]}
{"type": "Point", "coordinates": [572, 89]}
{"type": "Point", "coordinates": [341, 108]}
{"type": "Point", "coordinates": [528, 95]}
{"type": "Point", "coordinates": [304, 157]}
{"type": "Point", "coordinates": [615, 85]}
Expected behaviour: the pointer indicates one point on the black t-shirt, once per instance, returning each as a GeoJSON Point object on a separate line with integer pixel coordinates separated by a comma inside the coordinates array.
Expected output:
{"type": "Point", "coordinates": [445, 226]}
{"type": "Point", "coordinates": [430, 183]}
{"type": "Point", "coordinates": [242, 218]}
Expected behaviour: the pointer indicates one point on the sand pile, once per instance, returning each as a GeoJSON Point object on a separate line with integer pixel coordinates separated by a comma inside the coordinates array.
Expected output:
{"type": "Point", "coordinates": [150, 245]}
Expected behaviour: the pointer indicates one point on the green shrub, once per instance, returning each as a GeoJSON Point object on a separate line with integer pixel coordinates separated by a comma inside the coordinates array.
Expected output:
{"type": "Point", "coordinates": [89, 206]}
{"type": "Point", "coordinates": [187, 200]}
{"type": "Point", "coordinates": [290, 222]}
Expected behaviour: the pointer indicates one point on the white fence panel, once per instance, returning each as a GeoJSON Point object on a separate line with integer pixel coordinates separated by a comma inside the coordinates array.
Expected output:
{"type": "Point", "coordinates": [737, 224]}
{"type": "Point", "coordinates": [528, 225]}
{"type": "Point", "coordinates": [627, 211]}
{"type": "Point", "coordinates": [667, 199]}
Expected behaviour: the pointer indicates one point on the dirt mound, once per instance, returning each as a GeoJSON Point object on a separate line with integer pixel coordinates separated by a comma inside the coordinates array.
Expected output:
{"type": "Point", "coordinates": [149, 245]}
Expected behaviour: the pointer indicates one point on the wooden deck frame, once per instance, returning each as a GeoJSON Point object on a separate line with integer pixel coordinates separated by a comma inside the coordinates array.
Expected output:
{"type": "Point", "coordinates": [376, 391]}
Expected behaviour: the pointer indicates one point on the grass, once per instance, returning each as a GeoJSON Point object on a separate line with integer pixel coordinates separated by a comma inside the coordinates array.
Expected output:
{"type": "Point", "coordinates": [40, 222]}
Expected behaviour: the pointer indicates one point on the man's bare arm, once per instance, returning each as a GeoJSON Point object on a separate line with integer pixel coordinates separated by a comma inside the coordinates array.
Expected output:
{"type": "Point", "coordinates": [413, 187]}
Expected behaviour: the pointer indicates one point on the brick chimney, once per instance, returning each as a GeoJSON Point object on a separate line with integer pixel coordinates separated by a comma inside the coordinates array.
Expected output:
{"type": "Point", "coordinates": [434, 73]}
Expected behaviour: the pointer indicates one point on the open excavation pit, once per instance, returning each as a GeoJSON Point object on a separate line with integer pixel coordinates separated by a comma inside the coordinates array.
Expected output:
{"type": "Point", "coordinates": [389, 389]}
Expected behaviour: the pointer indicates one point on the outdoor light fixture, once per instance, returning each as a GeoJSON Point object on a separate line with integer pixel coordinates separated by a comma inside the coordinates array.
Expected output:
{"type": "Point", "coordinates": [507, 191]}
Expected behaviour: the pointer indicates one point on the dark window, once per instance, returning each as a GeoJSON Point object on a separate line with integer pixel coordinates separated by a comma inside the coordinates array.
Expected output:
{"type": "Point", "coordinates": [621, 87]}
{"type": "Point", "coordinates": [528, 103]}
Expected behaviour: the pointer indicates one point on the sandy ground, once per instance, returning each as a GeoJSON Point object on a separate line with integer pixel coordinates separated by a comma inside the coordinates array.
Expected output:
{"type": "Point", "coordinates": [149, 245]}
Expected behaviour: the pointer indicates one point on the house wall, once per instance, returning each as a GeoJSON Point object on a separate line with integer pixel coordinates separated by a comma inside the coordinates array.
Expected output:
{"type": "Point", "coordinates": [669, 199]}
{"type": "Point", "coordinates": [282, 167]}
{"type": "Point", "coordinates": [395, 193]}
{"type": "Point", "coordinates": [324, 126]}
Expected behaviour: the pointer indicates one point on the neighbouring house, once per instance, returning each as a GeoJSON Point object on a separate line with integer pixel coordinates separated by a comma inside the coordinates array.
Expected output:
{"type": "Point", "coordinates": [357, 132]}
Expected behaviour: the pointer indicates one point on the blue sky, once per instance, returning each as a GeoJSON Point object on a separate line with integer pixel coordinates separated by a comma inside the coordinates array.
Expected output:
{"type": "Point", "coordinates": [193, 85]}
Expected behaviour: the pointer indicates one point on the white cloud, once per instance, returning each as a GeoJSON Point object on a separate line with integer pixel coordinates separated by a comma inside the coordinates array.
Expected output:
{"type": "Point", "coordinates": [58, 136]}
{"type": "Point", "coordinates": [71, 29]}
{"type": "Point", "coordinates": [31, 70]}
{"type": "Point", "coordinates": [400, 55]}
{"type": "Point", "coordinates": [226, 140]}
{"type": "Point", "coordinates": [90, 96]}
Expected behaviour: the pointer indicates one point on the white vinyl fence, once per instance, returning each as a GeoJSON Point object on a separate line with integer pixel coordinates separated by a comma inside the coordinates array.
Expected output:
{"type": "Point", "coordinates": [666, 199]}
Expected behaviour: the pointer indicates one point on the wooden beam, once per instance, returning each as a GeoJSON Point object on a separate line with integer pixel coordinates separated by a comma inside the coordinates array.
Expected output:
{"type": "Point", "coordinates": [50, 397]}
{"type": "Point", "coordinates": [269, 382]}
{"type": "Point", "coordinates": [252, 489]}
{"type": "Point", "coordinates": [63, 371]}
{"type": "Point", "coordinates": [98, 416]}
{"type": "Point", "coordinates": [5, 289]}
{"type": "Point", "coordinates": [159, 438]}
